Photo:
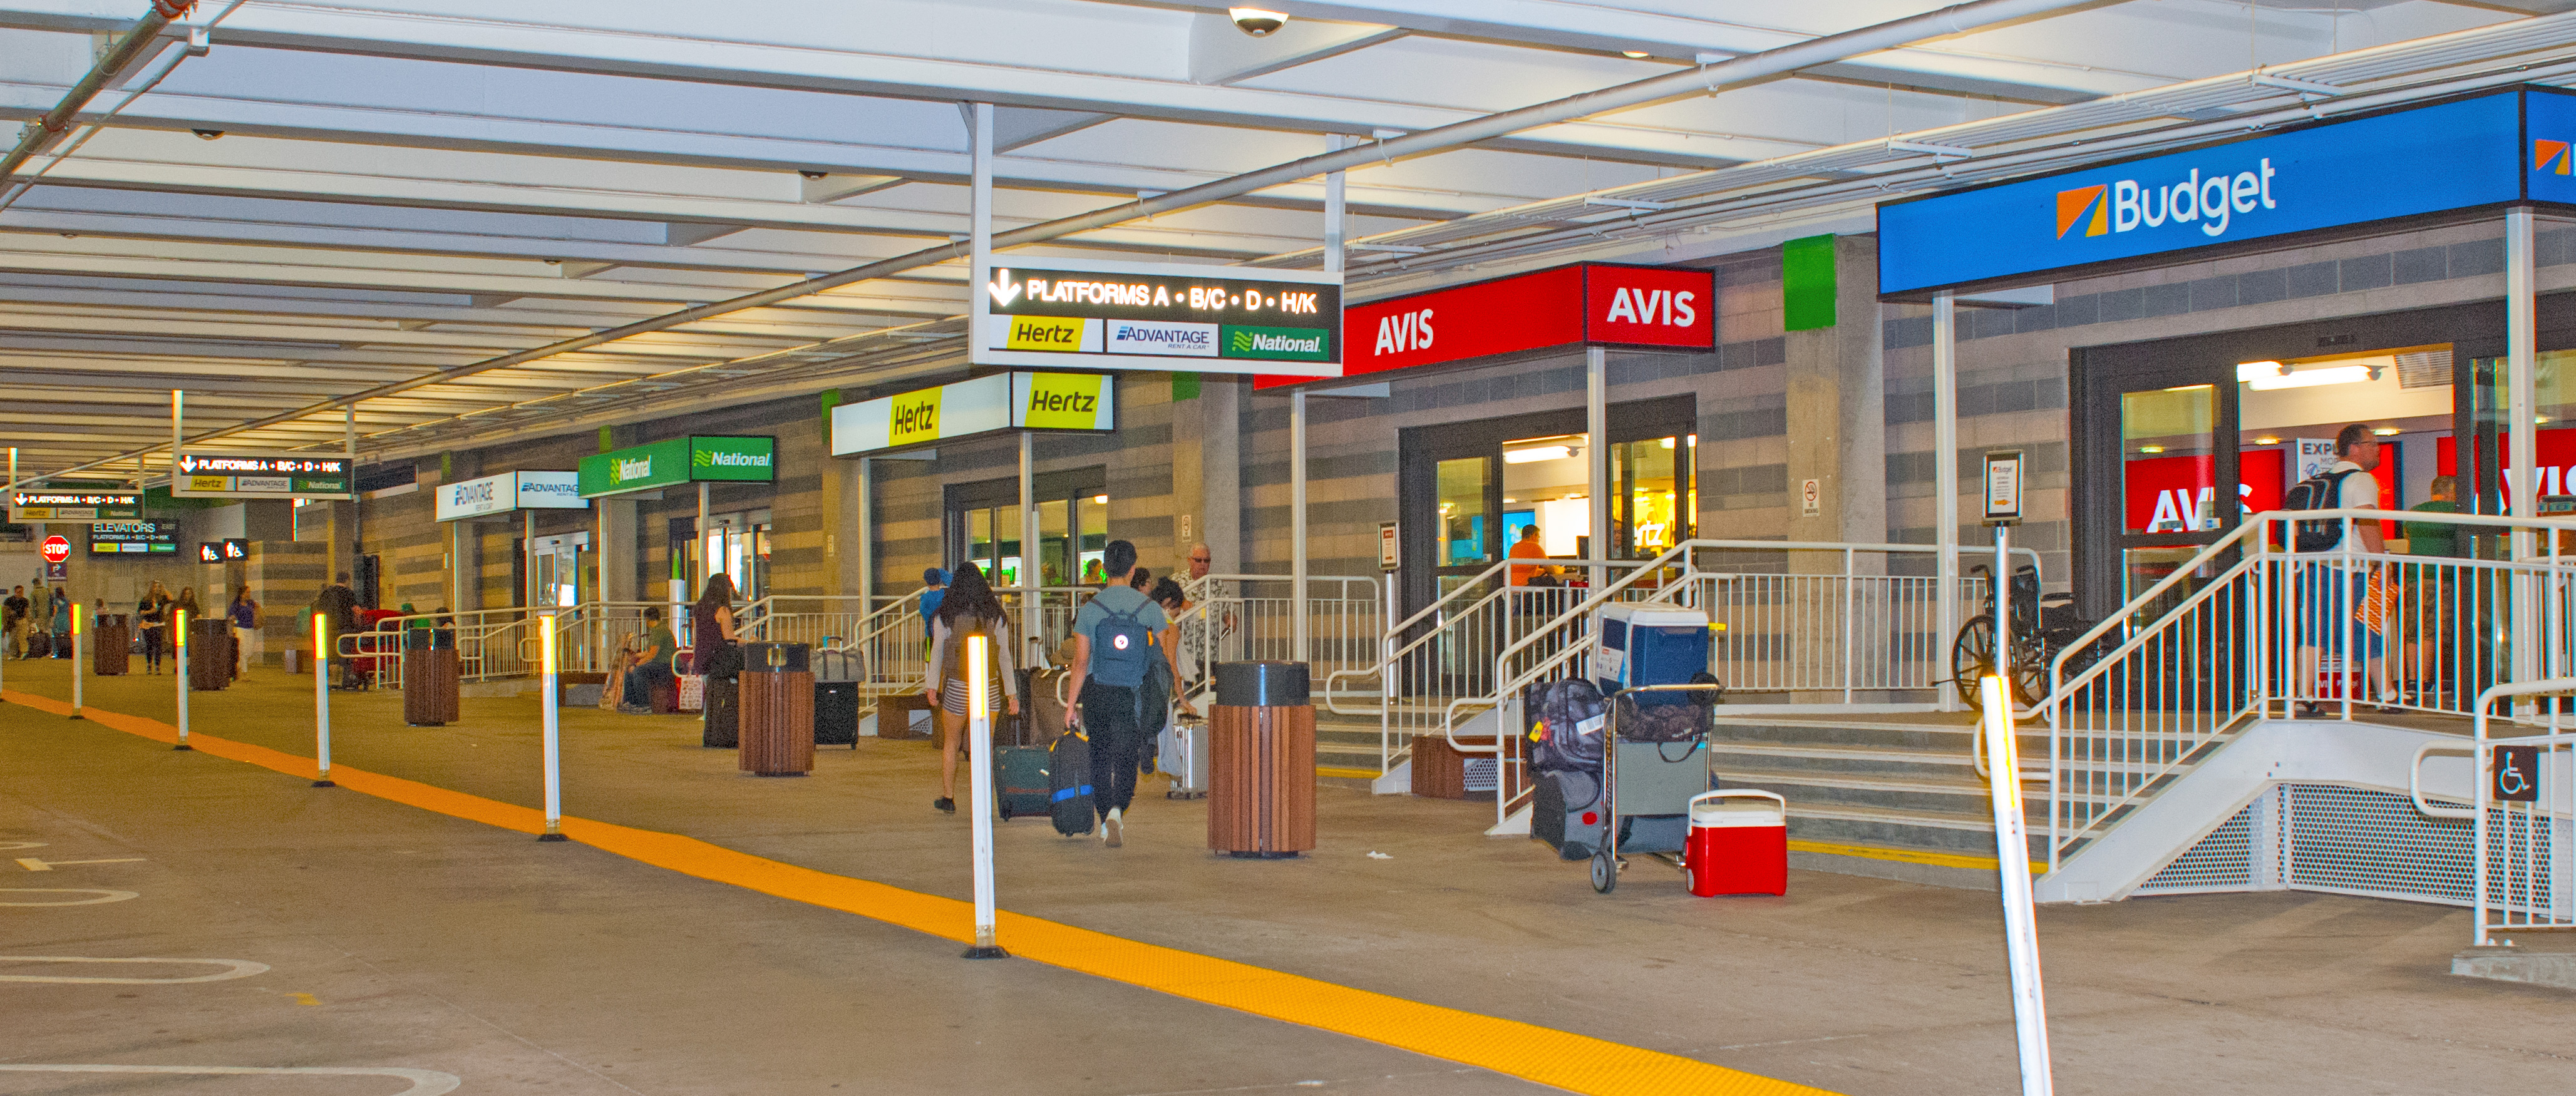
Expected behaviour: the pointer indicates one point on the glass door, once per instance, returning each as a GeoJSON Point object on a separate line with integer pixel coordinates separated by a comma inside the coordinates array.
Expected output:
{"type": "Point", "coordinates": [564, 570]}
{"type": "Point", "coordinates": [1468, 537]}
{"type": "Point", "coordinates": [2177, 444]}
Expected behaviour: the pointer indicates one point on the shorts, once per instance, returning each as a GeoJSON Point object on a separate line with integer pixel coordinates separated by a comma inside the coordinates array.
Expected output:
{"type": "Point", "coordinates": [952, 697]}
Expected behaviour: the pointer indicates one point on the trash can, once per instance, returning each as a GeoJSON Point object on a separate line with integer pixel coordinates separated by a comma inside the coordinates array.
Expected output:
{"type": "Point", "coordinates": [1739, 843]}
{"type": "Point", "coordinates": [210, 654]}
{"type": "Point", "coordinates": [1261, 761]}
{"type": "Point", "coordinates": [111, 642]}
{"type": "Point", "coordinates": [429, 677]}
{"type": "Point", "coordinates": [777, 699]}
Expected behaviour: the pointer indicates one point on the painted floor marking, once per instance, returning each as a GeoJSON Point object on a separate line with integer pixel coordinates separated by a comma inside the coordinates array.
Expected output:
{"type": "Point", "coordinates": [32, 864]}
{"type": "Point", "coordinates": [1566, 1060]}
{"type": "Point", "coordinates": [424, 1082]}
{"type": "Point", "coordinates": [105, 896]}
{"type": "Point", "coordinates": [235, 968]}
{"type": "Point", "coordinates": [13, 846]}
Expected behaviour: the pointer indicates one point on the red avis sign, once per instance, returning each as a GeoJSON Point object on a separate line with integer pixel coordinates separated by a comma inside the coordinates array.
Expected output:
{"type": "Point", "coordinates": [1611, 305]}
{"type": "Point", "coordinates": [2177, 494]}
{"type": "Point", "coordinates": [57, 549]}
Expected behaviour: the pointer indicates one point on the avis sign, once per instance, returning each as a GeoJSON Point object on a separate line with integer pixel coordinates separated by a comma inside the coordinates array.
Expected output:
{"type": "Point", "coordinates": [1589, 303]}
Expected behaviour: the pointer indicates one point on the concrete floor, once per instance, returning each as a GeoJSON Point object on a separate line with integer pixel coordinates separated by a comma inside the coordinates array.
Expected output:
{"type": "Point", "coordinates": [401, 938]}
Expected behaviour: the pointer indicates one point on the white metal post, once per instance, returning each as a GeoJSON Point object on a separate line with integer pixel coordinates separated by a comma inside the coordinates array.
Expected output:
{"type": "Point", "coordinates": [1297, 524]}
{"type": "Point", "coordinates": [1945, 481]}
{"type": "Point", "coordinates": [1030, 611]}
{"type": "Point", "coordinates": [179, 648]}
{"type": "Point", "coordinates": [2522, 359]}
{"type": "Point", "coordinates": [2012, 855]}
{"type": "Point", "coordinates": [80, 666]}
{"type": "Point", "coordinates": [322, 700]}
{"type": "Point", "coordinates": [979, 757]}
{"type": "Point", "coordinates": [866, 536]}
{"type": "Point", "coordinates": [528, 558]}
{"type": "Point", "coordinates": [2003, 603]}
{"type": "Point", "coordinates": [31, 602]}
{"type": "Point", "coordinates": [1596, 457]}
{"type": "Point", "coordinates": [550, 694]}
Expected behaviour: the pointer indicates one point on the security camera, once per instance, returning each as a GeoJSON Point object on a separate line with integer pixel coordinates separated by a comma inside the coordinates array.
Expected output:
{"type": "Point", "coordinates": [1257, 22]}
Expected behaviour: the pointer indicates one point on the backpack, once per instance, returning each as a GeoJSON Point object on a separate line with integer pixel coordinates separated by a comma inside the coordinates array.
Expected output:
{"type": "Point", "coordinates": [1566, 725]}
{"type": "Point", "coordinates": [1121, 646]}
{"type": "Point", "coordinates": [2323, 491]}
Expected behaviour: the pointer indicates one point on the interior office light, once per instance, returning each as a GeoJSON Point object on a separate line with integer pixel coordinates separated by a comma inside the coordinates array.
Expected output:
{"type": "Point", "coordinates": [1537, 453]}
{"type": "Point", "coordinates": [2267, 441]}
{"type": "Point", "coordinates": [2151, 449]}
{"type": "Point", "coordinates": [2312, 378]}
{"type": "Point", "coordinates": [2248, 371]}
{"type": "Point", "coordinates": [2387, 431]}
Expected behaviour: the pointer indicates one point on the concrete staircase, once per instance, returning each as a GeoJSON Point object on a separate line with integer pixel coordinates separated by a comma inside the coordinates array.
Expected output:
{"type": "Point", "coordinates": [1891, 797]}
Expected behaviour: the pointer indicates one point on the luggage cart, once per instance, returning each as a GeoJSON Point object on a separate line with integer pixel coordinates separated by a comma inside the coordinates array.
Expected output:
{"type": "Point", "coordinates": [1655, 784]}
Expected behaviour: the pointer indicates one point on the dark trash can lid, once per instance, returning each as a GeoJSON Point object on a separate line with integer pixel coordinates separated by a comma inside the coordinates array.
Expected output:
{"type": "Point", "coordinates": [1261, 684]}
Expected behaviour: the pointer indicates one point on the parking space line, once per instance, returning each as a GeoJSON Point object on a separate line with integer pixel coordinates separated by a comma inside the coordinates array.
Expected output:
{"type": "Point", "coordinates": [32, 864]}
{"type": "Point", "coordinates": [234, 968]}
{"type": "Point", "coordinates": [105, 896]}
{"type": "Point", "coordinates": [424, 1082]}
{"type": "Point", "coordinates": [1579, 1063]}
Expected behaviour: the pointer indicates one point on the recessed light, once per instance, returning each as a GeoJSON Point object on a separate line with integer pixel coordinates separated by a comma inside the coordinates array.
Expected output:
{"type": "Point", "coordinates": [2267, 441]}
{"type": "Point", "coordinates": [1100, 499]}
{"type": "Point", "coordinates": [2151, 449]}
{"type": "Point", "coordinates": [2311, 378]}
{"type": "Point", "coordinates": [2387, 431]}
{"type": "Point", "coordinates": [1633, 54]}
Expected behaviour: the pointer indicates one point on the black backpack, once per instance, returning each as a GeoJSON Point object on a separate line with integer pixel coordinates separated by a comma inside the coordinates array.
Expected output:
{"type": "Point", "coordinates": [2323, 491]}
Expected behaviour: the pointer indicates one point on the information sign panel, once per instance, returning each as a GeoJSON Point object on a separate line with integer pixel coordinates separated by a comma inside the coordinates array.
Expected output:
{"type": "Point", "coordinates": [31, 504]}
{"type": "Point", "coordinates": [1114, 315]}
{"type": "Point", "coordinates": [134, 538]}
{"type": "Point", "coordinates": [262, 476]}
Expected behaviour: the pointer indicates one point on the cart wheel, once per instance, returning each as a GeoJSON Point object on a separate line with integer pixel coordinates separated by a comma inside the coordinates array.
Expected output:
{"type": "Point", "coordinates": [1686, 880]}
{"type": "Point", "coordinates": [1605, 872]}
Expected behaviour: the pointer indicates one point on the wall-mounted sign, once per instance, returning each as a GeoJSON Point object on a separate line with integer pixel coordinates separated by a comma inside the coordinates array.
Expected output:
{"type": "Point", "coordinates": [2516, 773]}
{"type": "Point", "coordinates": [134, 538]}
{"type": "Point", "coordinates": [54, 504]}
{"type": "Point", "coordinates": [679, 460]}
{"type": "Point", "coordinates": [510, 491]}
{"type": "Point", "coordinates": [1086, 402]}
{"type": "Point", "coordinates": [227, 550]}
{"type": "Point", "coordinates": [2003, 487]}
{"type": "Point", "coordinates": [1644, 306]}
{"type": "Point", "coordinates": [1111, 315]}
{"type": "Point", "coordinates": [262, 476]}
{"type": "Point", "coordinates": [1390, 547]}
{"type": "Point", "coordinates": [2445, 156]}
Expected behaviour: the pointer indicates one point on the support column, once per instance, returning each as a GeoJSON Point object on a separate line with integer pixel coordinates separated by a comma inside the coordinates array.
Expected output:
{"type": "Point", "coordinates": [1945, 481]}
{"type": "Point", "coordinates": [1596, 456]}
{"type": "Point", "coordinates": [1030, 617]}
{"type": "Point", "coordinates": [1297, 524]}
{"type": "Point", "coordinates": [1837, 414]}
{"type": "Point", "coordinates": [616, 550]}
{"type": "Point", "coordinates": [1220, 518]}
{"type": "Point", "coordinates": [698, 545]}
{"type": "Point", "coordinates": [863, 536]}
{"type": "Point", "coordinates": [528, 559]}
{"type": "Point", "coordinates": [2522, 361]}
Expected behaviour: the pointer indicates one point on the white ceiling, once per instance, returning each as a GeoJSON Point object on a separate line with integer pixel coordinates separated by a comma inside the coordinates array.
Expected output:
{"type": "Point", "coordinates": [407, 186]}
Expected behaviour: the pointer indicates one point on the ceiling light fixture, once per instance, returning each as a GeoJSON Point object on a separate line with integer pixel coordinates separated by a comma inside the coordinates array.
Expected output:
{"type": "Point", "coordinates": [2247, 371]}
{"type": "Point", "coordinates": [1537, 453]}
{"type": "Point", "coordinates": [2387, 431]}
{"type": "Point", "coordinates": [2151, 449]}
{"type": "Point", "coordinates": [1257, 22]}
{"type": "Point", "coordinates": [1102, 500]}
{"type": "Point", "coordinates": [2312, 378]}
{"type": "Point", "coordinates": [1633, 54]}
{"type": "Point", "coordinates": [2267, 441]}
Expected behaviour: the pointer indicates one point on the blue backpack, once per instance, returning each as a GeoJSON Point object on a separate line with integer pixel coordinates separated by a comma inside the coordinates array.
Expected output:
{"type": "Point", "coordinates": [1121, 647]}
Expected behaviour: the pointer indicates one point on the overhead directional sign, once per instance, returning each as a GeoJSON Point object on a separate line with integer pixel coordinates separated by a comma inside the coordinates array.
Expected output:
{"type": "Point", "coordinates": [54, 504]}
{"type": "Point", "coordinates": [751, 459]}
{"type": "Point", "coordinates": [262, 476]}
{"type": "Point", "coordinates": [133, 538]}
{"type": "Point", "coordinates": [1078, 314]}
{"type": "Point", "coordinates": [223, 551]}
{"type": "Point", "coordinates": [510, 491]}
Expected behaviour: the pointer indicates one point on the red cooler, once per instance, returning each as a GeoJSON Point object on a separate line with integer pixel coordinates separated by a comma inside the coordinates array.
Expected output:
{"type": "Point", "coordinates": [1739, 843]}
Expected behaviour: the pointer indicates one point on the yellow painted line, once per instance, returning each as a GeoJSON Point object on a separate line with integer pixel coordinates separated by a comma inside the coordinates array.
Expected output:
{"type": "Point", "coordinates": [1360, 774]}
{"type": "Point", "coordinates": [1908, 856]}
{"type": "Point", "coordinates": [1578, 1063]}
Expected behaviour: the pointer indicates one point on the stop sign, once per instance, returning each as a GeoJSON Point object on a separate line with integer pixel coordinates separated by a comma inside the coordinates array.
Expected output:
{"type": "Point", "coordinates": [57, 549]}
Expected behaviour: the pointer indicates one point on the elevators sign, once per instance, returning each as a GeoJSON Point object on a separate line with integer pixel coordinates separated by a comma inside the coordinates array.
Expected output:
{"type": "Point", "coordinates": [39, 504]}
{"type": "Point", "coordinates": [2003, 487]}
{"type": "Point", "coordinates": [1082, 314]}
{"type": "Point", "coordinates": [2516, 774]}
{"type": "Point", "coordinates": [261, 476]}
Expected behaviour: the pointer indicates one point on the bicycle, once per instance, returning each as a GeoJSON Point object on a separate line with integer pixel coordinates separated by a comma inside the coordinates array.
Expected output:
{"type": "Point", "coordinates": [2042, 626]}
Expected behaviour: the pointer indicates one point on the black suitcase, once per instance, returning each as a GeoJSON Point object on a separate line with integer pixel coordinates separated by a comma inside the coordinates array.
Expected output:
{"type": "Point", "coordinates": [1021, 788]}
{"type": "Point", "coordinates": [1567, 813]}
{"type": "Point", "coordinates": [40, 645]}
{"type": "Point", "coordinates": [1069, 783]}
{"type": "Point", "coordinates": [723, 713]}
{"type": "Point", "coordinates": [836, 713]}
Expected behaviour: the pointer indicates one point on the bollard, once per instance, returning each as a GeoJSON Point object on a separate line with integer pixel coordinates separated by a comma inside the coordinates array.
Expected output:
{"type": "Point", "coordinates": [549, 695]}
{"type": "Point", "coordinates": [180, 617]}
{"type": "Point", "coordinates": [322, 701]}
{"type": "Point", "coordinates": [2012, 853]}
{"type": "Point", "coordinates": [77, 660]}
{"type": "Point", "coordinates": [979, 757]}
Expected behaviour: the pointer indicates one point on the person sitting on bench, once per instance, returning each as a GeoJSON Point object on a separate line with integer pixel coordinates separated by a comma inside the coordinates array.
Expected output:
{"type": "Point", "coordinates": [652, 668]}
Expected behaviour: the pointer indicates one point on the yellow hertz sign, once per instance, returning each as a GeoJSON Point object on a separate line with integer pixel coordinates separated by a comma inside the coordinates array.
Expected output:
{"type": "Point", "coordinates": [210, 483]}
{"type": "Point", "coordinates": [1062, 401]}
{"type": "Point", "coordinates": [1045, 333]}
{"type": "Point", "coordinates": [914, 417]}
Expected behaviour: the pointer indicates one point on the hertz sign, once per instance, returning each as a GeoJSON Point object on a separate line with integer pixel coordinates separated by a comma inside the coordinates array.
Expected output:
{"type": "Point", "coordinates": [1083, 402]}
{"type": "Point", "coordinates": [1103, 315]}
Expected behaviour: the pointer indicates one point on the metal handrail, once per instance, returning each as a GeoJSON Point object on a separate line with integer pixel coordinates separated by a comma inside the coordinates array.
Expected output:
{"type": "Point", "coordinates": [2480, 788]}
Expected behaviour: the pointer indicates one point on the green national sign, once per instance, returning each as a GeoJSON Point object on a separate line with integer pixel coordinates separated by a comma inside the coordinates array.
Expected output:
{"type": "Point", "coordinates": [680, 460]}
{"type": "Point", "coordinates": [1296, 344]}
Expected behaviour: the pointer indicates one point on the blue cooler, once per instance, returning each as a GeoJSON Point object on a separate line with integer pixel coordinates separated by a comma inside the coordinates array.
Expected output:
{"type": "Point", "coordinates": [1635, 645]}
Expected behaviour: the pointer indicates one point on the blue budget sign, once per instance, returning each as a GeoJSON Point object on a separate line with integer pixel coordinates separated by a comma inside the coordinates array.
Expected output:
{"type": "Point", "coordinates": [2446, 156]}
{"type": "Point", "coordinates": [2549, 131]}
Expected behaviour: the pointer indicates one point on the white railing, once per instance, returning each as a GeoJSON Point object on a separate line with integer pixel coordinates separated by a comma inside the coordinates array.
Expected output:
{"type": "Point", "coordinates": [2246, 628]}
{"type": "Point", "coordinates": [2523, 814]}
{"type": "Point", "coordinates": [1242, 618]}
{"type": "Point", "coordinates": [889, 646]}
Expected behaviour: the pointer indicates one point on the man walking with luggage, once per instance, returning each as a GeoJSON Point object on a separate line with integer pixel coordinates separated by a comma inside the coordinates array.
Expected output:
{"type": "Point", "coordinates": [2328, 590]}
{"type": "Point", "coordinates": [16, 611]}
{"type": "Point", "coordinates": [1113, 639]}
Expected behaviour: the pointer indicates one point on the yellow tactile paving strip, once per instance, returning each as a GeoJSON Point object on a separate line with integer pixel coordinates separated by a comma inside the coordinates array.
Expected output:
{"type": "Point", "coordinates": [1578, 1063]}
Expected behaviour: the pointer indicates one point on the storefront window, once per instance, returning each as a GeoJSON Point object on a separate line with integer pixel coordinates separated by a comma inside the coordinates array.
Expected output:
{"type": "Point", "coordinates": [1055, 543]}
{"type": "Point", "coordinates": [2167, 459]}
{"type": "Point", "coordinates": [1095, 531]}
{"type": "Point", "coordinates": [1462, 512]}
{"type": "Point", "coordinates": [1653, 515]}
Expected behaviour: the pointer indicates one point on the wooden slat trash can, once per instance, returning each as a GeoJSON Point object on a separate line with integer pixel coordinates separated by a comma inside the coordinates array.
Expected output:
{"type": "Point", "coordinates": [210, 655]}
{"type": "Point", "coordinates": [111, 640]}
{"type": "Point", "coordinates": [777, 698]}
{"type": "Point", "coordinates": [429, 677]}
{"type": "Point", "coordinates": [1261, 761]}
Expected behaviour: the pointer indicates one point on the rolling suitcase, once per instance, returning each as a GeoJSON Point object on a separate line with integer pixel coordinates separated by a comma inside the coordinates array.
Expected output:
{"type": "Point", "coordinates": [1020, 783]}
{"type": "Point", "coordinates": [1041, 710]}
{"type": "Point", "coordinates": [836, 713]}
{"type": "Point", "coordinates": [723, 714]}
{"type": "Point", "coordinates": [1183, 756]}
{"type": "Point", "coordinates": [1567, 813]}
{"type": "Point", "coordinates": [40, 645]}
{"type": "Point", "coordinates": [1069, 783]}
